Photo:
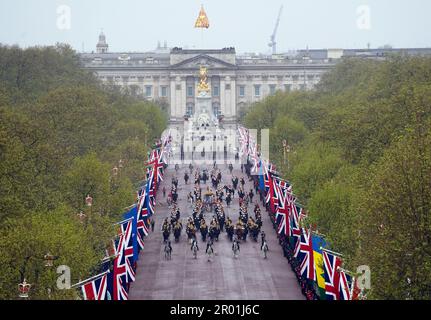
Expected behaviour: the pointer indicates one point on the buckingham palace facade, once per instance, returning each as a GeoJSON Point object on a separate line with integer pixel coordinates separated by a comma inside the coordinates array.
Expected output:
{"type": "Point", "coordinates": [237, 81]}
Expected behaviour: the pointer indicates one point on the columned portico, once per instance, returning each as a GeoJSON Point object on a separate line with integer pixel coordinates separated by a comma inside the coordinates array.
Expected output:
{"type": "Point", "coordinates": [238, 81]}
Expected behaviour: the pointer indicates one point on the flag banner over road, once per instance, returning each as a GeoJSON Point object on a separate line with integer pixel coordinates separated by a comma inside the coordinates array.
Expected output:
{"type": "Point", "coordinates": [114, 283]}
{"type": "Point", "coordinates": [313, 262]}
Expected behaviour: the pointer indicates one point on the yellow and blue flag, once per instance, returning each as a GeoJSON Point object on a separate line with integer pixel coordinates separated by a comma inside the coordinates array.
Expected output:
{"type": "Point", "coordinates": [318, 243]}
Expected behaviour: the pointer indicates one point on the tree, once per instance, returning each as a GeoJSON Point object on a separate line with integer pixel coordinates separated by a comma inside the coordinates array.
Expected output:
{"type": "Point", "coordinates": [397, 221]}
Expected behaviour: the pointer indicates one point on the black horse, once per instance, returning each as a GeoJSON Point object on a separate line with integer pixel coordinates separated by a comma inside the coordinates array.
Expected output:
{"type": "Point", "coordinates": [254, 231]}
{"type": "Point", "coordinates": [214, 233]}
{"type": "Point", "coordinates": [230, 231]}
{"type": "Point", "coordinates": [166, 234]}
{"type": "Point", "coordinates": [204, 232]}
{"type": "Point", "coordinates": [177, 233]}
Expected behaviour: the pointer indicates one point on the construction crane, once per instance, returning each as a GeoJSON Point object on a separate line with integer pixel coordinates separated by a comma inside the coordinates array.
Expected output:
{"type": "Point", "coordinates": [273, 43]}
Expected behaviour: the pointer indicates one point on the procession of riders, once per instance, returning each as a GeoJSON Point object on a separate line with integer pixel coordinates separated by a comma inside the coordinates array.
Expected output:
{"type": "Point", "coordinates": [208, 200]}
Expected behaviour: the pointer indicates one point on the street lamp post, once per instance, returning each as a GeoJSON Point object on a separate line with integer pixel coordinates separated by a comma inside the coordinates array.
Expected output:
{"type": "Point", "coordinates": [89, 201]}
{"type": "Point", "coordinates": [81, 216]}
{"type": "Point", "coordinates": [286, 151]}
{"type": "Point", "coordinates": [115, 171]}
{"type": "Point", "coordinates": [49, 260]}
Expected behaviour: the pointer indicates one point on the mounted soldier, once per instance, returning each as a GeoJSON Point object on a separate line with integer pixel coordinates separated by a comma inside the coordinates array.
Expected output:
{"type": "Point", "coordinates": [191, 231]}
{"type": "Point", "coordinates": [166, 229]}
{"type": "Point", "coordinates": [229, 228]}
{"type": "Point", "coordinates": [177, 230]}
{"type": "Point", "coordinates": [204, 230]}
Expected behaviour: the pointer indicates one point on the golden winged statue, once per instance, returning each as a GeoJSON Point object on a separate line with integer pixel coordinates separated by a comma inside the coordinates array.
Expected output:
{"type": "Point", "coordinates": [203, 82]}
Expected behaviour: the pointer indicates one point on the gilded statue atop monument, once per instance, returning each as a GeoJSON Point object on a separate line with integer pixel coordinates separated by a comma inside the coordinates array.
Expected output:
{"type": "Point", "coordinates": [203, 86]}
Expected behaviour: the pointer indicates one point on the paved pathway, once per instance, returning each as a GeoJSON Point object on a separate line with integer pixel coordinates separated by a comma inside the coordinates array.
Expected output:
{"type": "Point", "coordinates": [184, 278]}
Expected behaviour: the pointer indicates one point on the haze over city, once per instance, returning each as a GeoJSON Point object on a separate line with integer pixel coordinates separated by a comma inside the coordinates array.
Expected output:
{"type": "Point", "coordinates": [132, 25]}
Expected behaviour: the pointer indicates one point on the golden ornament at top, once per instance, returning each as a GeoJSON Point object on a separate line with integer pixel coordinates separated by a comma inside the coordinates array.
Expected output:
{"type": "Point", "coordinates": [202, 21]}
{"type": "Point", "coordinates": [203, 82]}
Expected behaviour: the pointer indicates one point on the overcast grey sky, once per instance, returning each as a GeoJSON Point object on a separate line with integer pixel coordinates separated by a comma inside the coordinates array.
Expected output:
{"type": "Point", "coordinates": [137, 25]}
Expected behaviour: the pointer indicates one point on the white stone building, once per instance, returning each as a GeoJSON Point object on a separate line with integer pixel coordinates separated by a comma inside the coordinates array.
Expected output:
{"type": "Point", "coordinates": [237, 81]}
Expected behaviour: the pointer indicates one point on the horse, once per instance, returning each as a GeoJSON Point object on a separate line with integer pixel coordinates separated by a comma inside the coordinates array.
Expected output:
{"type": "Point", "coordinates": [168, 251]}
{"type": "Point", "coordinates": [177, 232]}
{"type": "Point", "coordinates": [191, 232]}
{"type": "Point", "coordinates": [210, 252]}
{"type": "Point", "coordinates": [240, 233]}
{"type": "Point", "coordinates": [204, 232]}
{"type": "Point", "coordinates": [254, 230]}
{"type": "Point", "coordinates": [195, 249]}
{"type": "Point", "coordinates": [166, 234]}
{"type": "Point", "coordinates": [230, 231]}
{"type": "Point", "coordinates": [214, 233]}
{"type": "Point", "coordinates": [221, 220]}
{"type": "Point", "coordinates": [264, 249]}
{"type": "Point", "coordinates": [235, 249]}
{"type": "Point", "coordinates": [245, 233]}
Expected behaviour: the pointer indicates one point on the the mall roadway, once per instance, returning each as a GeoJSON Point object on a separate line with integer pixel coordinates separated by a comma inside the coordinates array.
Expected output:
{"type": "Point", "coordinates": [250, 277]}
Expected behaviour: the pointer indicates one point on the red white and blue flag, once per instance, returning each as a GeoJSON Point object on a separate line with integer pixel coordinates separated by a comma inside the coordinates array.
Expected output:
{"type": "Point", "coordinates": [331, 265]}
{"type": "Point", "coordinates": [345, 286]}
{"type": "Point", "coordinates": [96, 289]}
{"type": "Point", "coordinates": [304, 252]}
{"type": "Point", "coordinates": [283, 220]}
{"type": "Point", "coordinates": [128, 251]}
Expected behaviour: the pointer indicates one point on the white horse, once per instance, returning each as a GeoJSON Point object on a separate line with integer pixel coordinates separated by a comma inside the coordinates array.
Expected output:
{"type": "Point", "coordinates": [264, 249]}
{"type": "Point", "coordinates": [210, 253]}
{"type": "Point", "coordinates": [235, 249]}
{"type": "Point", "coordinates": [195, 249]}
{"type": "Point", "coordinates": [168, 252]}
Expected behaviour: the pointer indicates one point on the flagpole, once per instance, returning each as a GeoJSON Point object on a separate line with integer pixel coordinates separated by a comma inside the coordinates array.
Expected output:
{"type": "Point", "coordinates": [124, 221]}
{"type": "Point", "coordinates": [80, 284]}
{"type": "Point", "coordinates": [339, 269]}
{"type": "Point", "coordinates": [331, 252]}
{"type": "Point", "coordinates": [317, 233]}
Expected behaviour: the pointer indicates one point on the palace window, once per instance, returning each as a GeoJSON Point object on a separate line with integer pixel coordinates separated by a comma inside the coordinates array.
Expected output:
{"type": "Point", "coordinates": [148, 91]}
{"type": "Point", "coordinates": [227, 86]}
{"type": "Point", "coordinates": [216, 91]}
{"type": "Point", "coordinates": [287, 87]}
{"type": "Point", "coordinates": [164, 91]}
{"type": "Point", "coordinates": [190, 109]}
{"type": "Point", "coordinates": [257, 90]}
{"type": "Point", "coordinates": [190, 91]}
{"type": "Point", "coordinates": [216, 109]}
{"type": "Point", "coordinates": [272, 89]}
{"type": "Point", "coordinates": [242, 91]}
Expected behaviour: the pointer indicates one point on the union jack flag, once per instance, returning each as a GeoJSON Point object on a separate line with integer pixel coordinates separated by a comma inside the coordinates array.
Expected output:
{"type": "Point", "coordinates": [283, 220]}
{"type": "Point", "coordinates": [304, 252]}
{"type": "Point", "coordinates": [331, 264]}
{"type": "Point", "coordinates": [295, 221]}
{"type": "Point", "coordinates": [157, 165]}
{"type": "Point", "coordinates": [96, 289]}
{"type": "Point", "coordinates": [283, 188]}
{"type": "Point", "coordinates": [143, 226]}
{"type": "Point", "coordinates": [345, 293]}
{"type": "Point", "coordinates": [117, 279]}
{"type": "Point", "coordinates": [271, 195]}
{"type": "Point", "coordinates": [127, 252]}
